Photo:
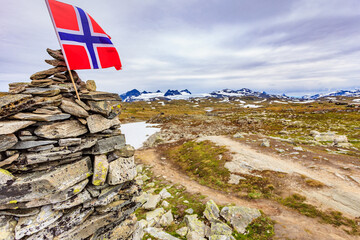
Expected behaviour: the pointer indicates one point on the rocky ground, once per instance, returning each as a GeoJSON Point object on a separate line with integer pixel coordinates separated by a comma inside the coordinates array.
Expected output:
{"type": "Point", "coordinates": [299, 164]}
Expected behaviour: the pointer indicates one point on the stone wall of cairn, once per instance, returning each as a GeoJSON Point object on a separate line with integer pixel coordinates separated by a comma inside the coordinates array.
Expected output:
{"type": "Point", "coordinates": [65, 169]}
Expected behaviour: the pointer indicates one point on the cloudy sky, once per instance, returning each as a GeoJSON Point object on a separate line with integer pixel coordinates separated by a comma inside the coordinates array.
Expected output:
{"type": "Point", "coordinates": [278, 46]}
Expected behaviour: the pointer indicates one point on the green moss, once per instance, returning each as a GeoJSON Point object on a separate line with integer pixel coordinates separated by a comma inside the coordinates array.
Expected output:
{"type": "Point", "coordinates": [297, 202]}
{"type": "Point", "coordinates": [260, 229]}
{"type": "Point", "coordinates": [204, 161]}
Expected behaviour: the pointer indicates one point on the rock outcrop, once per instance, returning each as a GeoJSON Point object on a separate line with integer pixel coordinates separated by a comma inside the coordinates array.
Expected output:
{"type": "Point", "coordinates": [66, 171]}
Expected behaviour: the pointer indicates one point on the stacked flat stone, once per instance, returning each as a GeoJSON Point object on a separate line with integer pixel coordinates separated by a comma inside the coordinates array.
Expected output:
{"type": "Point", "coordinates": [66, 171]}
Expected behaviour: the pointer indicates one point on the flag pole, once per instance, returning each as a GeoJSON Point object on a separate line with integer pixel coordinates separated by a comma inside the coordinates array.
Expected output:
{"type": "Point", "coordinates": [73, 82]}
{"type": "Point", "coordinates": [57, 34]}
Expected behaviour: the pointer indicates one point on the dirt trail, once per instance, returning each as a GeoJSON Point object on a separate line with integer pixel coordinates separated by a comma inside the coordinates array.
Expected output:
{"type": "Point", "coordinates": [290, 224]}
{"type": "Point", "coordinates": [340, 193]}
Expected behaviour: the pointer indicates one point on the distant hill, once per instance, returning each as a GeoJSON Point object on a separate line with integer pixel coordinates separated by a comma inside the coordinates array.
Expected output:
{"type": "Point", "coordinates": [245, 92]}
{"type": "Point", "coordinates": [136, 95]}
{"type": "Point", "coordinates": [344, 93]}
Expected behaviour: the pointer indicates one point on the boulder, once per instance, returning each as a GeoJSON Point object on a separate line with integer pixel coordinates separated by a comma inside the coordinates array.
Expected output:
{"type": "Point", "coordinates": [154, 216]}
{"type": "Point", "coordinates": [73, 108]}
{"type": "Point", "coordinates": [194, 236]}
{"type": "Point", "coordinates": [167, 219]}
{"type": "Point", "coordinates": [212, 211]}
{"type": "Point", "coordinates": [239, 217]}
{"type": "Point", "coordinates": [195, 225]}
{"type": "Point", "coordinates": [220, 228]}
{"type": "Point", "coordinates": [164, 194]}
{"type": "Point", "coordinates": [182, 231]}
{"type": "Point", "coordinates": [235, 179]}
{"type": "Point", "coordinates": [64, 129]}
{"type": "Point", "coordinates": [159, 234]}
{"type": "Point", "coordinates": [7, 141]}
{"type": "Point", "coordinates": [152, 201]}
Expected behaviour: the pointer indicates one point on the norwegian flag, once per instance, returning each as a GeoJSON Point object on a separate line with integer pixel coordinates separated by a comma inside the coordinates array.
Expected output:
{"type": "Point", "coordinates": [84, 43]}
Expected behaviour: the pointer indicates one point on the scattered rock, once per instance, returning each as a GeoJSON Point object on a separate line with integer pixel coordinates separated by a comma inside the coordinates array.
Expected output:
{"type": "Point", "coordinates": [159, 234]}
{"type": "Point", "coordinates": [212, 211]}
{"type": "Point", "coordinates": [239, 217]}
{"type": "Point", "coordinates": [182, 231]}
{"type": "Point", "coordinates": [235, 179]}
{"type": "Point", "coordinates": [195, 225]}
{"type": "Point", "coordinates": [265, 143]}
{"type": "Point", "coordinates": [152, 202]}
{"type": "Point", "coordinates": [167, 219]}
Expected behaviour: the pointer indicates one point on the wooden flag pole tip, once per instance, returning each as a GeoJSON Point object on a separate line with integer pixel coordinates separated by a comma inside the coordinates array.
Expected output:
{"type": "Point", "coordinates": [72, 80]}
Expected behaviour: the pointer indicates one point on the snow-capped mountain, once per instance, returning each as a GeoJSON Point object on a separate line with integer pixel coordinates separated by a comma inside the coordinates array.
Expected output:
{"type": "Point", "coordinates": [344, 93]}
{"type": "Point", "coordinates": [136, 95]}
{"type": "Point", "coordinates": [245, 92]}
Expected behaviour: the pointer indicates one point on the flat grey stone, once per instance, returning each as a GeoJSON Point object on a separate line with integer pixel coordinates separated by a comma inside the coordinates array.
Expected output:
{"type": "Point", "coordinates": [109, 144]}
{"type": "Point", "coordinates": [239, 217]}
{"type": "Point", "coordinates": [30, 225]}
{"type": "Point", "coordinates": [64, 129]}
{"type": "Point", "coordinates": [78, 199]}
{"type": "Point", "coordinates": [47, 73]}
{"type": "Point", "coordinates": [45, 92]}
{"type": "Point", "coordinates": [14, 103]}
{"type": "Point", "coordinates": [68, 221]}
{"type": "Point", "coordinates": [69, 142]}
{"type": "Point", "coordinates": [102, 107]}
{"type": "Point", "coordinates": [33, 158]}
{"type": "Point", "coordinates": [11, 126]}
{"type": "Point", "coordinates": [7, 141]}
{"type": "Point", "coordinates": [152, 201]}
{"type": "Point", "coordinates": [9, 160]}
{"type": "Point", "coordinates": [73, 108]}
{"type": "Point", "coordinates": [31, 144]}
{"type": "Point", "coordinates": [20, 212]}
{"type": "Point", "coordinates": [121, 170]}
{"type": "Point", "coordinates": [42, 185]}
{"type": "Point", "coordinates": [100, 96]}
{"type": "Point", "coordinates": [159, 234]}
{"type": "Point", "coordinates": [41, 117]}
{"type": "Point", "coordinates": [98, 123]}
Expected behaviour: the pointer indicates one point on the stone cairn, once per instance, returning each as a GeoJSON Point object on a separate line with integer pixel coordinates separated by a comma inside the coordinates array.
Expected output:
{"type": "Point", "coordinates": [66, 171]}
